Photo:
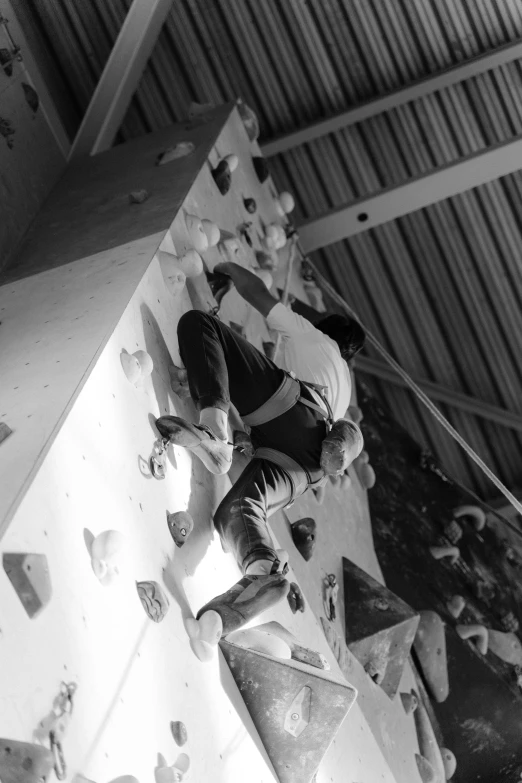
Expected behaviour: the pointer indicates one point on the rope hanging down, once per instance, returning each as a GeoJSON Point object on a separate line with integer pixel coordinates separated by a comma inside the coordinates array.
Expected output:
{"type": "Point", "coordinates": [423, 397]}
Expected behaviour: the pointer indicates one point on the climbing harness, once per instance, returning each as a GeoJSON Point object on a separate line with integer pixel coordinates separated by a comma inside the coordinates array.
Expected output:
{"type": "Point", "coordinates": [287, 395]}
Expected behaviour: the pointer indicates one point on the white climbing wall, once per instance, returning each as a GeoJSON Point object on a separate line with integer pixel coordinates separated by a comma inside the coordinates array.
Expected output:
{"type": "Point", "coordinates": [134, 677]}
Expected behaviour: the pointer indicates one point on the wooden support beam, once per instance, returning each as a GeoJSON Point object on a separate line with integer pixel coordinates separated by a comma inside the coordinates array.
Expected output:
{"type": "Point", "coordinates": [120, 76]}
{"type": "Point", "coordinates": [467, 173]}
{"type": "Point", "coordinates": [420, 89]}
{"type": "Point", "coordinates": [463, 402]}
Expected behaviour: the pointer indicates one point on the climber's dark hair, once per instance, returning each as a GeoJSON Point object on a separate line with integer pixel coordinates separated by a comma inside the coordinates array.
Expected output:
{"type": "Point", "coordinates": [347, 333]}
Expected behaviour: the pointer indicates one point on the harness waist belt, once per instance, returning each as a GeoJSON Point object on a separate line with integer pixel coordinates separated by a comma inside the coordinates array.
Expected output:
{"type": "Point", "coordinates": [298, 476]}
{"type": "Point", "coordinates": [282, 401]}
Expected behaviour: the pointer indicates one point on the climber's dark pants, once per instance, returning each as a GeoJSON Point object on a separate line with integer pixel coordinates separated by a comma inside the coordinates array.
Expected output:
{"type": "Point", "coordinates": [223, 367]}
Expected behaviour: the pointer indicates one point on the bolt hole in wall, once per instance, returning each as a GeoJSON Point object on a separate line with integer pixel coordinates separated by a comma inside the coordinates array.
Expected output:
{"type": "Point", "coordinates": [362, 217]}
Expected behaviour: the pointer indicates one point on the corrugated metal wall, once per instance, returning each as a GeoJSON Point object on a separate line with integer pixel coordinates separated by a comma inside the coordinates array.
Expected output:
{"type": "Point", "coordinates": [442, 288]}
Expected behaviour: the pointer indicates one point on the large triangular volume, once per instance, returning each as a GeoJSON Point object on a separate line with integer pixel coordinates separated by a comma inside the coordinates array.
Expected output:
{"type": "Point", "coordinates": [380, 627]}
{"type": "Point", "coordinates": [296, 709]}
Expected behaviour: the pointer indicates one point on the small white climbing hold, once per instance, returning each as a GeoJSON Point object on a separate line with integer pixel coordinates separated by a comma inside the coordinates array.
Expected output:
{"type": "Point", "coordinates": [131, 366]}
{"type": "Point", "coordinates": [478, 632]}
{"type": "Point", "coordinates": [506, 646]}
{"type": "Point", "coordinates": [181, 150]}
{"type": "Point", "coordinates": [439, 552]}
{"type": "Point", "coordinates": [233, 162]}
{"type": "Point", "coordinates": [279, 208]}
{"type": "Point", "coordinates": [192, 263]}
{"type": "Point", "coordinates": [287, 201]}
{"type": "Point", "coordinates": [108, 556]}
{"type": "Point", "coordinates": [449, 761]}
{"type": "Point", "coordinates": [475, 512]}
{"type": "Point", "coordinates": [145, 362]}
{"type": "Point", "coordinates": [212, 232]}
{"type": "Point", "coordinates": [455, 606]}
{"type": "Point", "coordinates": [281, 238]}
{"type": "Point", "coordinates": [197, 234]}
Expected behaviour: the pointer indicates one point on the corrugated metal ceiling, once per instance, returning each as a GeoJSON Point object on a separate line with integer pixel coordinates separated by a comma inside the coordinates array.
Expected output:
{"type": "Point", "coordinates": [442, 288]}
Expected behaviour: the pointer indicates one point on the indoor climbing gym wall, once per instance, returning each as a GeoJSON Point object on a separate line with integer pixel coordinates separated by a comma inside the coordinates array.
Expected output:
{"type": "Point", "coordinates": [107, 539]}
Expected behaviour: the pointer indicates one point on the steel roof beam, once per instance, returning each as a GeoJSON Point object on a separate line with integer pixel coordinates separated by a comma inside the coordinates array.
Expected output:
{"type": "Point", "coordinates": [120, 77]}
{"type": "Point", "coordinates": [431, 84]}
{"type": "Point", "coordinates": [463, 402]}
{"type": "Point", "coordinates": [467, 173]}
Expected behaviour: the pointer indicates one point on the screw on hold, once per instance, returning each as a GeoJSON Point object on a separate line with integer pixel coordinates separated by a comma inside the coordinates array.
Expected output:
{"type": "Point", "coordinates": [295, 716]}
{"type": "Point", "coordinates": [382, 604]}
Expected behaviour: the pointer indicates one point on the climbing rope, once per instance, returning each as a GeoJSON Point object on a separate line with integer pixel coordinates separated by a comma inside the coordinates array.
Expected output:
{"type": "Point", "coordinates": [422, 396]}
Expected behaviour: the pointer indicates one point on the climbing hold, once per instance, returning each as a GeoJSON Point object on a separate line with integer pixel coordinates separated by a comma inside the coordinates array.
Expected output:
{"type": "Point", "coordinates": [426, 771]}
{"type": "Point", "coordinates": [261, 168]}
{"type": "Point", "coordinates": [279, 209]}
{"type": "Point", "coordinates": [191, 263]}
{"type": "Point", "coordinates": [297, 710]}
{"type": "Point", "coordinates": [222, 177]}
{"type": "Point", "coordinates": [299, 653]}
{"type": "Point", "coordinates": [449, 761]}
{"type": "Point", "coordinates": [303, 536]}
{"type": "Point", "coordinates": [180, 526]}
{"type": "Point", "coordinates": [196, 233]}
{"type": "Point", "coordinates": [108, 556]}
{"type": "Point", "coordinates": [509, 622]}
{"type": "Point", "coordinates": [31, 96]}
{"type": "Point", "coordinates": [153, 600]}
{"type": "Point", "coordinates": [29, 575]}
{"type": "Point", "coordinates": [506, 646]}
{"type": "Point", "coordinates": [173, 276]}
{"type": "Point", "coordinates": [428, 745]}
{"type": "Point", "coordinates": [181, 150]}
{"type": "Point", "coordinates": [455, 606]}
{"type": "Point", "coordinates": [250, 205]}
{"type": "Point", "coordinates": [474, 513]}
{"type": "Point", "coordinates": [158, 459]}
{"type": "Point", "coordinates": [145, 362]}
{"type": "Point", "coordinates": [138, 196]}
{"type": "Point", "coordinates": [261, 641]}
{"type": "Point", "coordinates": [453, 532]}
{"type": "Point", "coordinates": [366, 475]}
{"type": "Point", "coordinates": [179, 732]}
{"type": "Point", "coordinates": [320, 494]}
{"type": "Point", "coordinates": [249, 118]}
{"type": "Point", "coordinates": [478, 632]}
{"type": "Point", "coordinates": [232, 161]}
{"type": "Point", "coordinates": [295, 598]}
{"type": "Point", "coordinates": [355, 414]}
{"type": "Point", "coordinates": [23, 762]}
{"type": "Point", "coordinates": [212, 232]}
{"type": "Point", "coordinates": [5, 431]}
{"type": "Point", "coordinates": [131, 367]}
{"type": "Point", "coordinates": [164, 773]}
{"type": "Point", "coordinates": [439, 552]}
{"type": "Point", "coordinates": [377, 637]}
{"type": "Point", "coordinates": [287, 202]}
{"type": "Point", "coordinates": [266, 277]}
{"type": "Point", "coordinates": [409, 702]}
{"type": "Point", "coordinates": [340, 447]}
{"type": "Point", "coordinates": [430, 648]}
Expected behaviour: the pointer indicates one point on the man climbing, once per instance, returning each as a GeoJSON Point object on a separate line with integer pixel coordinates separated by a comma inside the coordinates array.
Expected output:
{"type": "Point", "coordinates": [291, 429]}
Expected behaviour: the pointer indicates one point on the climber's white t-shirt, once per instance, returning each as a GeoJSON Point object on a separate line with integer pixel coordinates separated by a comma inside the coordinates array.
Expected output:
{"type": "Point", "coordinates": [312, 356]}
